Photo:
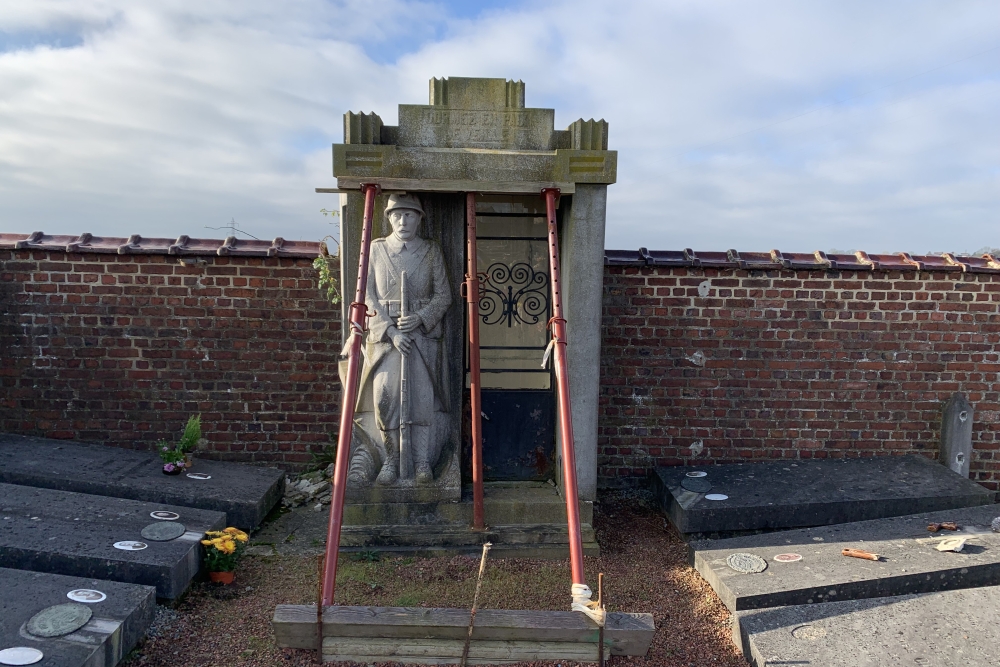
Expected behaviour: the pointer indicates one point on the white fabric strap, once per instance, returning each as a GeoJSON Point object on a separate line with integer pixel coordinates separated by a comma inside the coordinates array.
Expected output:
{"type": "Point", "coordinates": [548, 353]}
{"type": "Point", "coordinates": [583, 603]}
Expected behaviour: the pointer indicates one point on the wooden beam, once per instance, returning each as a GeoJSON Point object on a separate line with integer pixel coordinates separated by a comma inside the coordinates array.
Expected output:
{"type": "Point", "coordinates": [353, 184]}
{"type": "Point", "coordinates": [625, 634]}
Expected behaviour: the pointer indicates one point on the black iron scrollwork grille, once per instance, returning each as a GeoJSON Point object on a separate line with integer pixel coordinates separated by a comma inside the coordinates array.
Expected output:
{"type": "Point", "coordinates": [515, 293]}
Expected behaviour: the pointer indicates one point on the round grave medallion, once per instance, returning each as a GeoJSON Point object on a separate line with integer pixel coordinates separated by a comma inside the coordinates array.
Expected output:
{"type": "Point", "coordinates": [59, 620]}
{"type": "Point", "coordinates": [746, 563]}
{"type": "Point", "coordinates": [20, 655]}
{"type": "Point", "coordinates": [787, 558]}
{"type": "Point", "coordinates": [809, 632]}
{"type": "Point", "coordinates": [87, 595]}
{"type": "Point", "coordinates": [716, 496]}
{"type": "Point", "coordinates": [163, 531]}
{"type": "Point", "coordinates": [163, 515]}
{"type": "Point", "coordinates": [130, 545]}
{"type": "Point", "coordinates": [697, 485]}
{"type": "Point", "coordinates": [198, 475]}
{"type": "Point", "coordinates": [697, 473]}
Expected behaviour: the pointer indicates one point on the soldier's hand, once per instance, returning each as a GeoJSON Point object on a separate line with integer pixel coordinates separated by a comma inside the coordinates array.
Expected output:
{"type": "Point", "coordinates": [408, 323]}
{"type": "Point", "coordinates": [402, 342]}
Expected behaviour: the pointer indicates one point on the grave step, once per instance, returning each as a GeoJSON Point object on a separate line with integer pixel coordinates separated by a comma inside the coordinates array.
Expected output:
{"type": "Point", "coordinates": [784, 494]}
{"type": "Point", "coordinates": [944, 629]}
{"type": "Point", "coordinates": [245, 493]}
{"type": "Point", "coordinates": [69, 533]}
{"type": "Point", "coordinates": [116, 625]}
{"type": "Point", "coordinates": [910, 562]}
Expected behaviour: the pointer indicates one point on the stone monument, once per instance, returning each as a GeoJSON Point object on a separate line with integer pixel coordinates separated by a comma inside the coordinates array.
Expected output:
{"type": "Point", "coordinates": [474, 135]}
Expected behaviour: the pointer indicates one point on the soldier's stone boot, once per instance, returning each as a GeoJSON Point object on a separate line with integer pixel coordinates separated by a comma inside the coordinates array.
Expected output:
{"type": "Point", "coordinates": [422, 473]}
{"type": "Point", "coordinates": [390, 468]}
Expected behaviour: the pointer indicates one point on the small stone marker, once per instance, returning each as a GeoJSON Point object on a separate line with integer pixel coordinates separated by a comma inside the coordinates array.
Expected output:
{"type": "Point", "coordinates": [697, 485]}
{"type": "Point", "coordinates": [163, 515]}
{"type": "Point", "coordinates": [59, 620]}
{"type": "Point", "coordinates": [956, 434]}
{"type": "Point", "coordinates": [746, 563]}
{"type": "Point", "coordinates": [788, 558]}
{"type": "Point", "coordinates": [163, 531]}
{"type": "Point", "coordinates": [130, 545]}
{"type": "Point", "coordinates": [87, 595]}
{"type": "Point", "coordinates": [20, 655]}
{"type": "Point", "coordinates": [716, 496]}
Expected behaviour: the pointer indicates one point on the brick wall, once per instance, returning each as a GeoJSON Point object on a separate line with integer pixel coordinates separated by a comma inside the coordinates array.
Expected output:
{"type": "Point", "coordinates": [776, 363]}
{"type": "Point", "coordinates": [792, 364]}
{"type": "Point", "coordinates": [123, 348]}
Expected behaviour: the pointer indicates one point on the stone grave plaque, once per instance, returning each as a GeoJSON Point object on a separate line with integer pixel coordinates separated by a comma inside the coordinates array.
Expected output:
{"type": "Point", "coordinates": [59, 620]}
{"type": "Point", "coordinates": [20, 655]}
{"type": "Point", "coordinates": [163, 515]}
{"type": "Point", "coordinates": [696, 484]}
{"type": "Point", "coordinates": [163, 531]}
{"type": "Point", "coordinates": [746, 563]}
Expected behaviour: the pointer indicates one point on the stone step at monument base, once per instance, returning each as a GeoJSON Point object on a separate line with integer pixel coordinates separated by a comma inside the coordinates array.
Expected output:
{"type": "Point", "coordinates": [521, 539]}
{"type": "Point", "coordinates": [75, 534]}
{"type": "Point", "coordinates": [245, 493]}
{"type": "Point", "coordinates": [504, 503]}
{"type": "Point", "coordinates": [800, 493]}
{"type": "Point", "coordinates": [943, 629]}
{"type": "Point", "coordinates": [806, 566]}
{"type": "Point", "coordinates": [119, 615]}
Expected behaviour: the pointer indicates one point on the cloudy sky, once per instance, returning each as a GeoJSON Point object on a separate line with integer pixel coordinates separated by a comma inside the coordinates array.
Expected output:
{"type": "Point", "coordinates": [744, 124]}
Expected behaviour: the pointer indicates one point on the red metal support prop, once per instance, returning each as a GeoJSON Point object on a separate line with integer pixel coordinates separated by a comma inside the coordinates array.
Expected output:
{"type": "Point", "coordinates": [475, 398]}
{"type": "Point", "coordinates": [357, 320]}
{"type": "Point", "coordinates": [568, 447]}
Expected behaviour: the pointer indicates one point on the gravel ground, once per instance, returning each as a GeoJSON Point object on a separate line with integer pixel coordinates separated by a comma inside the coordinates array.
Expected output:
{"type": "Point", "coordinates": [643, 561]}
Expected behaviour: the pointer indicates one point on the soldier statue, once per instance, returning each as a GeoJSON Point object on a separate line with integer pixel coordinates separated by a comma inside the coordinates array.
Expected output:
{"type": "Point", "coordinates": [403, 399]}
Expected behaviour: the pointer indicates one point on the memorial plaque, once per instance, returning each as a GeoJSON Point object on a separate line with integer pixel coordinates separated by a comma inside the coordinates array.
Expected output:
{"type": "Point", "coordinates": [746, 563]}
{"type": "Point", "coordinates": [163, 531]}
{"type": "Point", "coordinates": [163, 515]}
{"type": "Point", "coordinates": [62, 619]}
{"type": "Point", "coordinates": [130, 545]}
{"type": "Point", "coordinates": [697, 473]}
{"type": "Point", "coordinates": [87, 595]}
{"type": "Point", "coordinates": [20, 655]}
{"type": "Point", "coordinates": [697, 485]}
{"type": "Point", "coordinates": [788, 558]}
{"type": "Point", "coordinates": [198, 475]}
{"type": "Point", "coordinates": [716, 496]}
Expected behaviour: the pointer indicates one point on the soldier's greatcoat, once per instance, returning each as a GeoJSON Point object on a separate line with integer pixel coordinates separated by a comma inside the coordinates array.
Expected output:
{"type": "Point", "coordinates": [429, 295]}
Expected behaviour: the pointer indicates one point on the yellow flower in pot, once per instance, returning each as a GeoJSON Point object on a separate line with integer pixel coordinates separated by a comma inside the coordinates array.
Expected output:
{"type": "Point", "coordinates": [223, 550]}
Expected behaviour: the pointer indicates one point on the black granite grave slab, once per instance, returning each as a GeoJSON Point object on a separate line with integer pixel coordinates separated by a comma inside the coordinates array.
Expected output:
{"type": "Point", "coordinates": [945, 629]}
{"type": "Point", "coordinates": [794, 494]}
{"type": "Point", "coordinates": [118, 622]}
{"type": "Point", "coordinates": [910, 563]}
{"type": "Point", "coordinates": [74, 534]}
{"type": "Point", "coordinates": [245, 493]}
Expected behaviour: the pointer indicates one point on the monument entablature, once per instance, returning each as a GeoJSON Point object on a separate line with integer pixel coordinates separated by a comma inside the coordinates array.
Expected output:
{"type": "Point", "coordinates": [474, 135]}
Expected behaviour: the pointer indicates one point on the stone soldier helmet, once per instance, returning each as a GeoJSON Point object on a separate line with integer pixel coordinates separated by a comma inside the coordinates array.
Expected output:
{"type": "Point", "coordinates": [403, 200]}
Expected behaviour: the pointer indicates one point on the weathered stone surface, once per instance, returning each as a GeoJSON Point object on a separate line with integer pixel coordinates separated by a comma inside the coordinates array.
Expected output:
{"type": "Point", "coordinates": [944, 629]}
{"type": "Point", "coordinates": [117, 623]}
{"type": "Point", "coordinates": [956, 434]}
{"type": "Point", "coordinates": [910, 562]}
{"type": "Point", "coordinates": [783, 494]}
{"type": "Point", "coordinates": [245, 493]}
{"type": "Point", "coordinates": [74, 533]}
{"type": "Point", "coordinates": [59, 620]}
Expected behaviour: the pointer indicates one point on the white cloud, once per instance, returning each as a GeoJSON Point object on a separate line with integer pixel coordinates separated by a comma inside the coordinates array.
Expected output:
{"type": "Point", "coordinates": [166, 117]}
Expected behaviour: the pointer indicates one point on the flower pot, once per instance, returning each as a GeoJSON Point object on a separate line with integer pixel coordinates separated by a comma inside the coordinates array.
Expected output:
{"type": "Point", "coordinates": [176, 470]}
{"type": "Point", "coordinates": [188, 461]}
{"type": "Point", "coordinates": [222, 577]}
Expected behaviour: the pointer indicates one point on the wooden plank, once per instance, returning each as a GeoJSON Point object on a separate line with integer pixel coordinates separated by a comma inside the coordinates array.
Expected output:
{"type": "Point", "coordinates": [404, 650]}
{"type": "Point", "coordinates": [625, 634]}
{"type": "Point", "coordinates": [353, 183]}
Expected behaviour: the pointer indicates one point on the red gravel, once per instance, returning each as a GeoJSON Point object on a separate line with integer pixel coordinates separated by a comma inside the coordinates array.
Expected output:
{"type": "Point", "coordinates": [643, 560]}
